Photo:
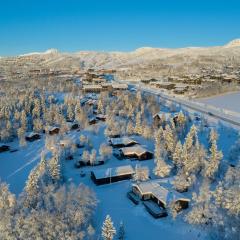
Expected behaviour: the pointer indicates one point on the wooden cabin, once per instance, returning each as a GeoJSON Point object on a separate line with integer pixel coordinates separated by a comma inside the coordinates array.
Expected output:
{"type": "Point", "coordinates": [92, 121]}
{"type": "Point", "coordinates": [136, 152]}
{"type": "Point", "coordinates": [160, 118]}
{"type": "Point", "coordinates": [92, 88]}
{"type": "Point", "coordinates": [53, 130]}
{"type": "Point", "coordinates": [73, 125]}
{"type": "Point", "coordinates": [101, 117]}
{"type": "Point", "coordinates": [4, 148]}
{"type": "Point", "coordinates": [165, 85]}
{"type": "Point", "coordinates": [164, 197]}
{"type": "Point", "coordinates": [106, 86]}
{"type": "Point", "coordinates": [181, 88]}
{"type": "Point", "coordinates": [119, 86]}
{"type": "Point", "coordinates": [122, 142]}
{"type": "Point", "coordinates": [110, 175]}
{"type": "Point", "coordinates": [32, 137]}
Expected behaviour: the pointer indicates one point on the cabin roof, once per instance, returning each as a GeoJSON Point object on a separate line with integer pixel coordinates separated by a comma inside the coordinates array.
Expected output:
{"type": "Point", "coordinates": [138, 150]}
{"type": "Point", "coordinates": [113, 172]}
{"type": "Point", "coordinates": [52, 128]}
{"type": "Point", "coordinates": [119, 86]}
{"type": "Point", "coordinates": [101, 116]}
{"type": "Point", "coordinates": [161, 114]}
{"type": "Point", "coordinates": [32, 134]}
{"type": "Point", "coordinates": [163, 193]}
{"type": "Point", "coordinates": [93, 86]}
{"type": "Point", "coordinates": [123, 140]}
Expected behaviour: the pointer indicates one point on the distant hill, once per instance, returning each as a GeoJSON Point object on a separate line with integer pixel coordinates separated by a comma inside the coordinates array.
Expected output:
{"type": "Point", "coordinates": [146, 62]}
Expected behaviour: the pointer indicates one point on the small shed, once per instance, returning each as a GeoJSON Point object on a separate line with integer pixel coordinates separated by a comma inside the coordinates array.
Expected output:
{"type": "Point", "coordinates": [110, 175]}
{"type": "Point", "coordinates": [122, 142]}
{"type": "Point", "coordinates": [137, 152]}
{"type": "Point", "coordinates": [32, 137]}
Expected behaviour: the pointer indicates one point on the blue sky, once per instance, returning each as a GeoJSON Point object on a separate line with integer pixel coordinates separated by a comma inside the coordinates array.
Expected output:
{"type": "Point", "coordinates": [106, 25]}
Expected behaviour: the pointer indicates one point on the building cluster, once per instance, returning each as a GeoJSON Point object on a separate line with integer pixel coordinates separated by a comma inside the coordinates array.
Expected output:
{"type": "Point", "coordinates": [187, 84]}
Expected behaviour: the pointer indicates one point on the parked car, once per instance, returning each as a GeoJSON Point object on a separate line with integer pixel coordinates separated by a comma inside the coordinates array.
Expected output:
{"type": "Point", "coordinates": [154, 209]}
{"type": "Point", "coordinates": [133, 197]}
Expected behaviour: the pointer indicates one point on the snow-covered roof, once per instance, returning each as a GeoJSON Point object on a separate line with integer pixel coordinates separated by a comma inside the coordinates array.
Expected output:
{"type": "Point", "coordinates": [91, 101]}
{"type": "Point", "coordinates": [161, 114]}
{"type": "Point", "coordinates": [111, 172]}
{"type": "Point", "coordinates": [66, 142]}
{"type": "Point", "coordinates": [123, 141]}
{"type": "Point", "coordinates": [52, 128]}
{"type": "Point", "coordinates": [32, 134]}
{"type": "Point", "coordinates": [138, 150]}
{"type": "Point", "coordinates": [93, 86]}
{"type": "Point", "coordinates": [101, 116]}
{"type": "Point", "coordinates": [164, 194]}
{"type": "Point", "coordinates": [119, 86]}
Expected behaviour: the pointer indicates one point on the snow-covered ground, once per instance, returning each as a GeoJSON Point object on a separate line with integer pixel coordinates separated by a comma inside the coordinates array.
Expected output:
{"type": "Point", "coordinates": [229, 101]}
{"type": "Point", "coordinates": [139, 224]}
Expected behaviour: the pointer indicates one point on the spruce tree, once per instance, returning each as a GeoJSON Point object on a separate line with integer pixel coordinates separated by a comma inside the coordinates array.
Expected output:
{"type": "Point", "coordinates": [108, 230]}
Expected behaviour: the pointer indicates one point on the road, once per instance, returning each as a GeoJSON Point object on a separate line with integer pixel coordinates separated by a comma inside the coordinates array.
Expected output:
{"type": "Point", "coordinates": [227, 116]}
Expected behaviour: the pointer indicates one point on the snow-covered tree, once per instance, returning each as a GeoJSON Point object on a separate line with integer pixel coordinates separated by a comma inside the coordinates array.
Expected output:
{"type": "Point", "coordinates": [181, 183]}
{"type": "Point", "coordinates": [214, 160]}
{"type": "Point", "coordinates": [141, 173]}
{"type": "Point", "coordinates": [86, 156]}
{"type": "Point", "coordinates": [213, 136]}
{"type": "Point", "coordinates": [138, 126]}
{"type": "Point", "coordinates": [203, 211]}
{"type": "Point", "coordinates": [108, 229]}
{"type": "Point", "coordinates": [169, 140]}
{"type": "Point", "coordinates": [55, 167]}
{"type": "Point", "coordinates": [177, 155]}
{"type": "Point", "coordinates": [130, 128]}
{"type": "Point", "coordinates": [93, 157]}
{"type": "Point", "coordinates": [105, 151]}
{"type": "Point", "coordinates": [100, 108]}
{"type": "Point", "coordinates": [161, 169]}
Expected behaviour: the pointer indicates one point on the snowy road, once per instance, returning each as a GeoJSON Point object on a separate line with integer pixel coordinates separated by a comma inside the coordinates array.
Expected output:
{"type": "Point", "coordinates": [230, 117]}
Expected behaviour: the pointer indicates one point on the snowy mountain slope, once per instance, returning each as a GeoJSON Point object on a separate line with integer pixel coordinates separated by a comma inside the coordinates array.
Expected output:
{"type": "Point", "coordinates": [143, 57]}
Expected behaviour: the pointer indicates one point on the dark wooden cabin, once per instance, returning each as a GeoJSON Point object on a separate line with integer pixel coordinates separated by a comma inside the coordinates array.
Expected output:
{"type": "Point", "coordinates": [110, 175]}
{"type": "Point", "coordinates": [136, 152]}
{"type": "Point", "coordinates": [32, 137]}
{"type": "Point", "coordinates": [54, 130]}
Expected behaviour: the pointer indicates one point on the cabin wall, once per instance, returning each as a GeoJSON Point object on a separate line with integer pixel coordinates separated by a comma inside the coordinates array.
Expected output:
{"type": "Point", "coordinates": [158, 201]}
{"type": "Point", "coordinates": [101, 181]}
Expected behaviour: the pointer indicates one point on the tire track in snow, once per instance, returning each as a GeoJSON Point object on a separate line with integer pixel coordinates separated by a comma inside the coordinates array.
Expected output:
{"type": "Point", "coordinates": [24, 166]}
